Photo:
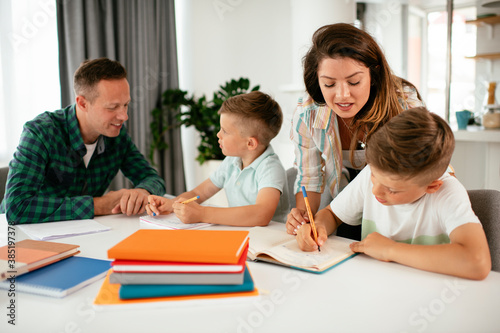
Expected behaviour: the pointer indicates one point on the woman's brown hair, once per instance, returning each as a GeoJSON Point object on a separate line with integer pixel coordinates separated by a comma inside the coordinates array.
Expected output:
{"type": "Point", "coordinates": [343, 40]}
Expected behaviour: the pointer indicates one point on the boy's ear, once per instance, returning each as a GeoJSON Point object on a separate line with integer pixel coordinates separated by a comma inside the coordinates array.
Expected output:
{"type": "Point", "coordinates": [434, 186]}
{"type": "Point", "coordinates": [252, 143]}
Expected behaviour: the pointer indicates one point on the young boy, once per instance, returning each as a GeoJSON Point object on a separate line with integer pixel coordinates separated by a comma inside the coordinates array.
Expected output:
{"type": "Point", "coordinates": [411, 210]}
{"type": "Point", "coordinates": [252, 175]}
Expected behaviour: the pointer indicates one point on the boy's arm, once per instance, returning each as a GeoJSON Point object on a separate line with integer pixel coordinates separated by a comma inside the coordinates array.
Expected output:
{"type": "Point", "coordinates": [326, 223]}
{"type": "Point", "coordinates": [161, 205]}
{"type": "Point", "coordinates": [259, 214]}
{"type": "Point", "coordinates": [205, 190]}
{"type": "Point", "coordinates": [466, 256]}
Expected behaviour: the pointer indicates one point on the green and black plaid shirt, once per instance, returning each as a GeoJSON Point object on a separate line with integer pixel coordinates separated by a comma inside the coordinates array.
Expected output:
{"type": "Point", "coordinates": [48, 180]}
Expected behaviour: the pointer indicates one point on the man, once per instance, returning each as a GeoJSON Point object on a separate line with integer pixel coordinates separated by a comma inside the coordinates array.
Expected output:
{"type": "Point", "coordinates": [66, 159]}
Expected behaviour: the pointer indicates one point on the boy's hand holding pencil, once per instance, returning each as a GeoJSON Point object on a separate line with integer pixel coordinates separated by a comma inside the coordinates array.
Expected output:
{"type": "Point", "coordinates": [187, 210]}
{"type": "Point", "coordinates": [311, 217]}
{"type": "Point", "coordinates": [305, 239]}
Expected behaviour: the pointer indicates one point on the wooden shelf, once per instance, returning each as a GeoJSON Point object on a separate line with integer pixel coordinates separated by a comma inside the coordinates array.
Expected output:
{"type": "Point", "coordinates": [485, 20]}
{"type": "Point", "coordinates": [489, 56]}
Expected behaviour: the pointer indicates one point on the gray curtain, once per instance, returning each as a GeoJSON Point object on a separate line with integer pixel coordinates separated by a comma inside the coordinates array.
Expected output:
{"type": "Point", "coordinates": [141, 36]}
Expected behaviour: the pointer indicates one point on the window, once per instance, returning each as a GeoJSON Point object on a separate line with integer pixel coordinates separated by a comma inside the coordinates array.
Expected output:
{"type": "Point", "coordinates": [29, 70]}
{"type": "Point", "coordinates": [463, 73]}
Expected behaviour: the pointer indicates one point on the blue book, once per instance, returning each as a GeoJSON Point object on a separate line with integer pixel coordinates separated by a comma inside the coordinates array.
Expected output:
{"type": "Point", "coordinates": [61, 278]}
{"type": "Point", "coordinates": [132, 291]}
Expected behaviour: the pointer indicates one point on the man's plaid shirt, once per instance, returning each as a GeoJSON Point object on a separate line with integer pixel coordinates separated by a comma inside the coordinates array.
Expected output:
{"type": "Point", "coordinates": [48, 180]}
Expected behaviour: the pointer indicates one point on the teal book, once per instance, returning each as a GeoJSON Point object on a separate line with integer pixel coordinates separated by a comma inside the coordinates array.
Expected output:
{"type": "Point", "coordinates": [133, 291]}
{"type": "Point", "coordinates": [61, 278]}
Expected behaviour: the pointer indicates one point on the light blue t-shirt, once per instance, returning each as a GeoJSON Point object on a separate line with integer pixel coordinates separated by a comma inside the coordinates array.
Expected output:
{"type": "Point", "coordinates": [242, 186]}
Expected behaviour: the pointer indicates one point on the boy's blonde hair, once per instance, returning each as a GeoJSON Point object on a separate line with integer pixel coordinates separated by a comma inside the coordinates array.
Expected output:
{"type": "Point", "coordinates": [260, 115]}
{"type": "Point", "coordinates": [415, 144]}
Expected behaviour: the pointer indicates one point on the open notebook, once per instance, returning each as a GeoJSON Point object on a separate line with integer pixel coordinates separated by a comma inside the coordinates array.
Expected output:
{"type": "Point", "coordinates": [278, 247]}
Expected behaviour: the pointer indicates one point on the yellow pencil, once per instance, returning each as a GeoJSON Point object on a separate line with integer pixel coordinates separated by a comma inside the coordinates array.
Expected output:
{"type": "Point", "coordinates": [311, 218]}
{"type": "Point", "coordinates": [192, 199]}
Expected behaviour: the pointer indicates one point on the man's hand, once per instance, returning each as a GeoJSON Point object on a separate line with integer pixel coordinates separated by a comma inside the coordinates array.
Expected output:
{"type": "Point", "coordinates": [132, 202]}
{"type": "Point", "coordinates": [124, 201]}
{"type": "Point", "coordinates": [105, 204]}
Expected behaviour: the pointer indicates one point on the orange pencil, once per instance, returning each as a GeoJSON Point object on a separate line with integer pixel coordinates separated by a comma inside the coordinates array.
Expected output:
{"type": "Point", "coordinates": [311, 218]}
{"type": "Point", "coordinates": [192, 199]}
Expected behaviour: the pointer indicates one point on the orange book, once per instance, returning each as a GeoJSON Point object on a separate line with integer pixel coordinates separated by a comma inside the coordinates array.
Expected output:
{"type": "Point", "coordinates": [28, 255]}
{"type": "Point", "coordinates": [200, 246]}
{"type": "Point", "coordinates": [108, 297]}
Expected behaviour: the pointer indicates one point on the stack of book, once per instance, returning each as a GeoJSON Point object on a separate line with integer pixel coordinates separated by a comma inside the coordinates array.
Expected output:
{"type": "Point", "coordinates": [178, 265]}
{"type": "Point", "coordinates": [28, 255]}
{"type": "Point", "coordinates": [47, 268]}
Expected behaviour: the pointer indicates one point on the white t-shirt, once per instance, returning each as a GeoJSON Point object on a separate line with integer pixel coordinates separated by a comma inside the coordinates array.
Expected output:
{"type": "Point", "coordinates": [429, 220]}
{"type": "Point", "coordinates": [90, 152]}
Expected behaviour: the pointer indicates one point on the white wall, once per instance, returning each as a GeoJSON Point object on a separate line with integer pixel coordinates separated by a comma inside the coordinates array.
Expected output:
{"type": "Point", "coordinates": [384, 22]}
{"type": "Point", "coordinates": [222, 40]}
{"type": "Point", "coordinates": [263, 40]}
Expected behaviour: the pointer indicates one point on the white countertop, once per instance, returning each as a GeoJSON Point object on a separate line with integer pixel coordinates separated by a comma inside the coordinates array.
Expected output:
{"type": "Point", "coordinates": [477, 134]}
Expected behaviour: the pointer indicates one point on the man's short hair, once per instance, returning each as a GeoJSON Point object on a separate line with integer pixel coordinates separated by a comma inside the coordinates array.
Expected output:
{"type": "Point", "coordinates": [90, 72]}
{"type": "Point", "coordinates": [415, 144]}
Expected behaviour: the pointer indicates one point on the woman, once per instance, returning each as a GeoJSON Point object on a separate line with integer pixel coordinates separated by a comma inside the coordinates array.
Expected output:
{"type": "Point", "coordinates": [351, 93]}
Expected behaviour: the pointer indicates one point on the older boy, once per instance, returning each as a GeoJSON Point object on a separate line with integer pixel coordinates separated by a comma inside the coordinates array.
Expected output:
{"type": "Point", "coordinates": [411, 210]}
{"type": "Point", "coordinates": [252, 175]}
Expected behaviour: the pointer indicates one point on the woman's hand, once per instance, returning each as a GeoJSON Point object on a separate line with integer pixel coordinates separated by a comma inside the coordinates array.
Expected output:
{"type": "Point", "coordinates": [296, 218]}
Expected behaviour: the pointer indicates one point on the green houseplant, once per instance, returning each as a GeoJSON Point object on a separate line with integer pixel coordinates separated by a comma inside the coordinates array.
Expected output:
{"type": "Point", "coordinates": [178, 108]}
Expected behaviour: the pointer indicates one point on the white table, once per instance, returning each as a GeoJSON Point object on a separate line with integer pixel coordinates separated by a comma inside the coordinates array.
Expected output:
{"type": "Point", "coordinates": [360, 295]}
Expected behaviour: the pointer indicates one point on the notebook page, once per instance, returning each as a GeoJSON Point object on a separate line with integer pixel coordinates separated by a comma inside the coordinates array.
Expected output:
{"type": "Point", "coordinates": [263, 238]}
